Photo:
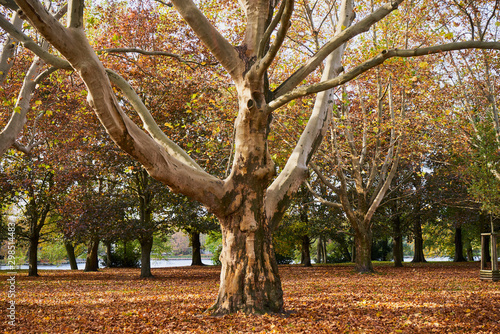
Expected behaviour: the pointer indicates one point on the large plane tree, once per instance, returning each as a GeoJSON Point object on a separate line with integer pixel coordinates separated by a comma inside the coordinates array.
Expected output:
{"type": "Point", "coordinates": [251, 201]}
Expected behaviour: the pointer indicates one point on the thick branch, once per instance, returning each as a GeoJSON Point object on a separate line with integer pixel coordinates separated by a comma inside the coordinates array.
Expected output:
{"type": "Point", "coordinates": [267, 34]}
{"type": "Point", "coordinates": [11, 4]}
{"type": "Point", "coordinates": [264, 64]}
{"type": "Point", "coordinates": [214, 41]}
{"type": "Point", "coordinates": [18, 118]}
{"type": "Point", "coordinates": [49, 26]}
{"type": "Point", "coordinates": [75, 16]}
{"type": "Point", "coordinates": [31, 45]}
{"type": "Point", "coordinates": [10, 45]}
{"type": "Point", "coordinates": [149, 123]}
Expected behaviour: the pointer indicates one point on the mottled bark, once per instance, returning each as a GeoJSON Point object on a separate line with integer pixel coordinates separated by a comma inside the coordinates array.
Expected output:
{"type": "Point", "coordinates": [70, 251]}
{"type": "Point", "coordinates": [196, 247]}
{"type": "Point", "coordinates": [92, 262]}
{"type": "Point", "coordinates": [249, 276]}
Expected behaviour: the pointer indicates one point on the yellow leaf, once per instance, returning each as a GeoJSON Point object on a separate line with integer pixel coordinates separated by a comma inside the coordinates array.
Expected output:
{"type": "Point", "coordinates": [189, 111]}
{"type": "Point", "coordinates": [169, 125]}
{"type": "Point", "coordinates": [423, 64]}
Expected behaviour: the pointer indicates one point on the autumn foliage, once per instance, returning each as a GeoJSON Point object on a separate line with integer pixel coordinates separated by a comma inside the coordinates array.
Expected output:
{"type": "Point", "coordinates": [424, 298]}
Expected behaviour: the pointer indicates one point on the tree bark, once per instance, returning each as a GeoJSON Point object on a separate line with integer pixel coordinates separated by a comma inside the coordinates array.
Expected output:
{"type": "Point", "coordinates": [363, 259]}
{"type": "Point", "coordinates": [70, 250]}
{"type": "Point", "coordinates": [146, 246]}
{"type": "Point", "coordinates": [33, 254]}
{"type": "Point", "coordinates": [397, 244]}
{"type": "Point", "coordinates": [459, 246]}
{"type": "Point", "coordinates": [92, 262]}
{"type": "Point", "coordinates": [249, 275]}
{"type": "Point", "coordinates": [306, 254]}
{"type": "Point", "coordinates": [418, 255]}
{"type": "Point", "coordinates": [109, 254]}
{"type": "Point", "coordinates": [196, 246]}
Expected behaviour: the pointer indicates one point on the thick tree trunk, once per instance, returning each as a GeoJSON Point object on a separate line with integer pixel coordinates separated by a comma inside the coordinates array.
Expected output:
{"type": "Point", "coordinates": [306, 254]}
{"type": "Point", "coordinates": [146, 246]}
{"type": "Point", "coordinates": [363, 259]}
{"type": "Point", "coordinates": [459, 246]}
{"type": "Point", "coordinates": [33, 255]}
{"type": "Point", "coordinates": [196, 246]}
{"type": "Point", "coordinates": [397, 244]}
{"type": "Point", "coordinates": [418, 255]}
{"type": "Point", "coordinates": [249, 275]}
{"type": "Point", "coordinates": [92, 262]}
{"type": "Point", "coordinates": [70, 250]}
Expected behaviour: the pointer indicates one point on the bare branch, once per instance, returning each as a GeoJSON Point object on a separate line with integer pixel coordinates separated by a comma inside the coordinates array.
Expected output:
{"type": "Point", "coordinates": [267, 34]}
{"type": "Point", "coordinates": [264, 64]}
{"type": "Point", "coordinates": [377, 60]}
{"type": "Point", "coordinates": [321, 199]}
{"type": "Point", "coordinates": [338, 40]}
{"type": "Point", "coordinates": [153, 53]}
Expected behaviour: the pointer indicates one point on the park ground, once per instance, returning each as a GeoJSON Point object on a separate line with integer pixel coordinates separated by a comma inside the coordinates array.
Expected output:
{"type": "Point", "coordinates": [419, 298]}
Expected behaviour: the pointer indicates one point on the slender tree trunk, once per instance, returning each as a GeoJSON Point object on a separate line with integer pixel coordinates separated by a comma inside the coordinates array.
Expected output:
{"type": "Point", "coordinates": [459, 246]}
{"type": "Point", "coordinates": [319, 250]}
{"type": "Point", "coordinates": [146, 246]}
{"type": "Point", "coordinates": [353, 250]}
{"type": "Point", "coordinates": [305, 254]}
{"type": "Point", "coordinates": [109, 254]}
{"type": "Point", "coordinates": [196, 245]}
{"type": "Point", "coordinates": [92, 262]}
{"type": "Point", "coordinates": [70, 250]}
{"type": "Point", "coordinates": [397, 244]}
{"type": "Point", "coordinates": [33, 255]}
{"type": "Point", "coordinates": [249, 275]}
{"type": "Point", "coordinates": [470, 254]}
{"type": "Point", "coordinates": [364, 240]}
{"type": "Point", "coordinates": [418, 255]}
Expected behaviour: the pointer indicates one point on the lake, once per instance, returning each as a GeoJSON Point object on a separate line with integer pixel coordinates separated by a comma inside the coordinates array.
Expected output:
{"type": "Point", "coordinates": [81, 265]}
